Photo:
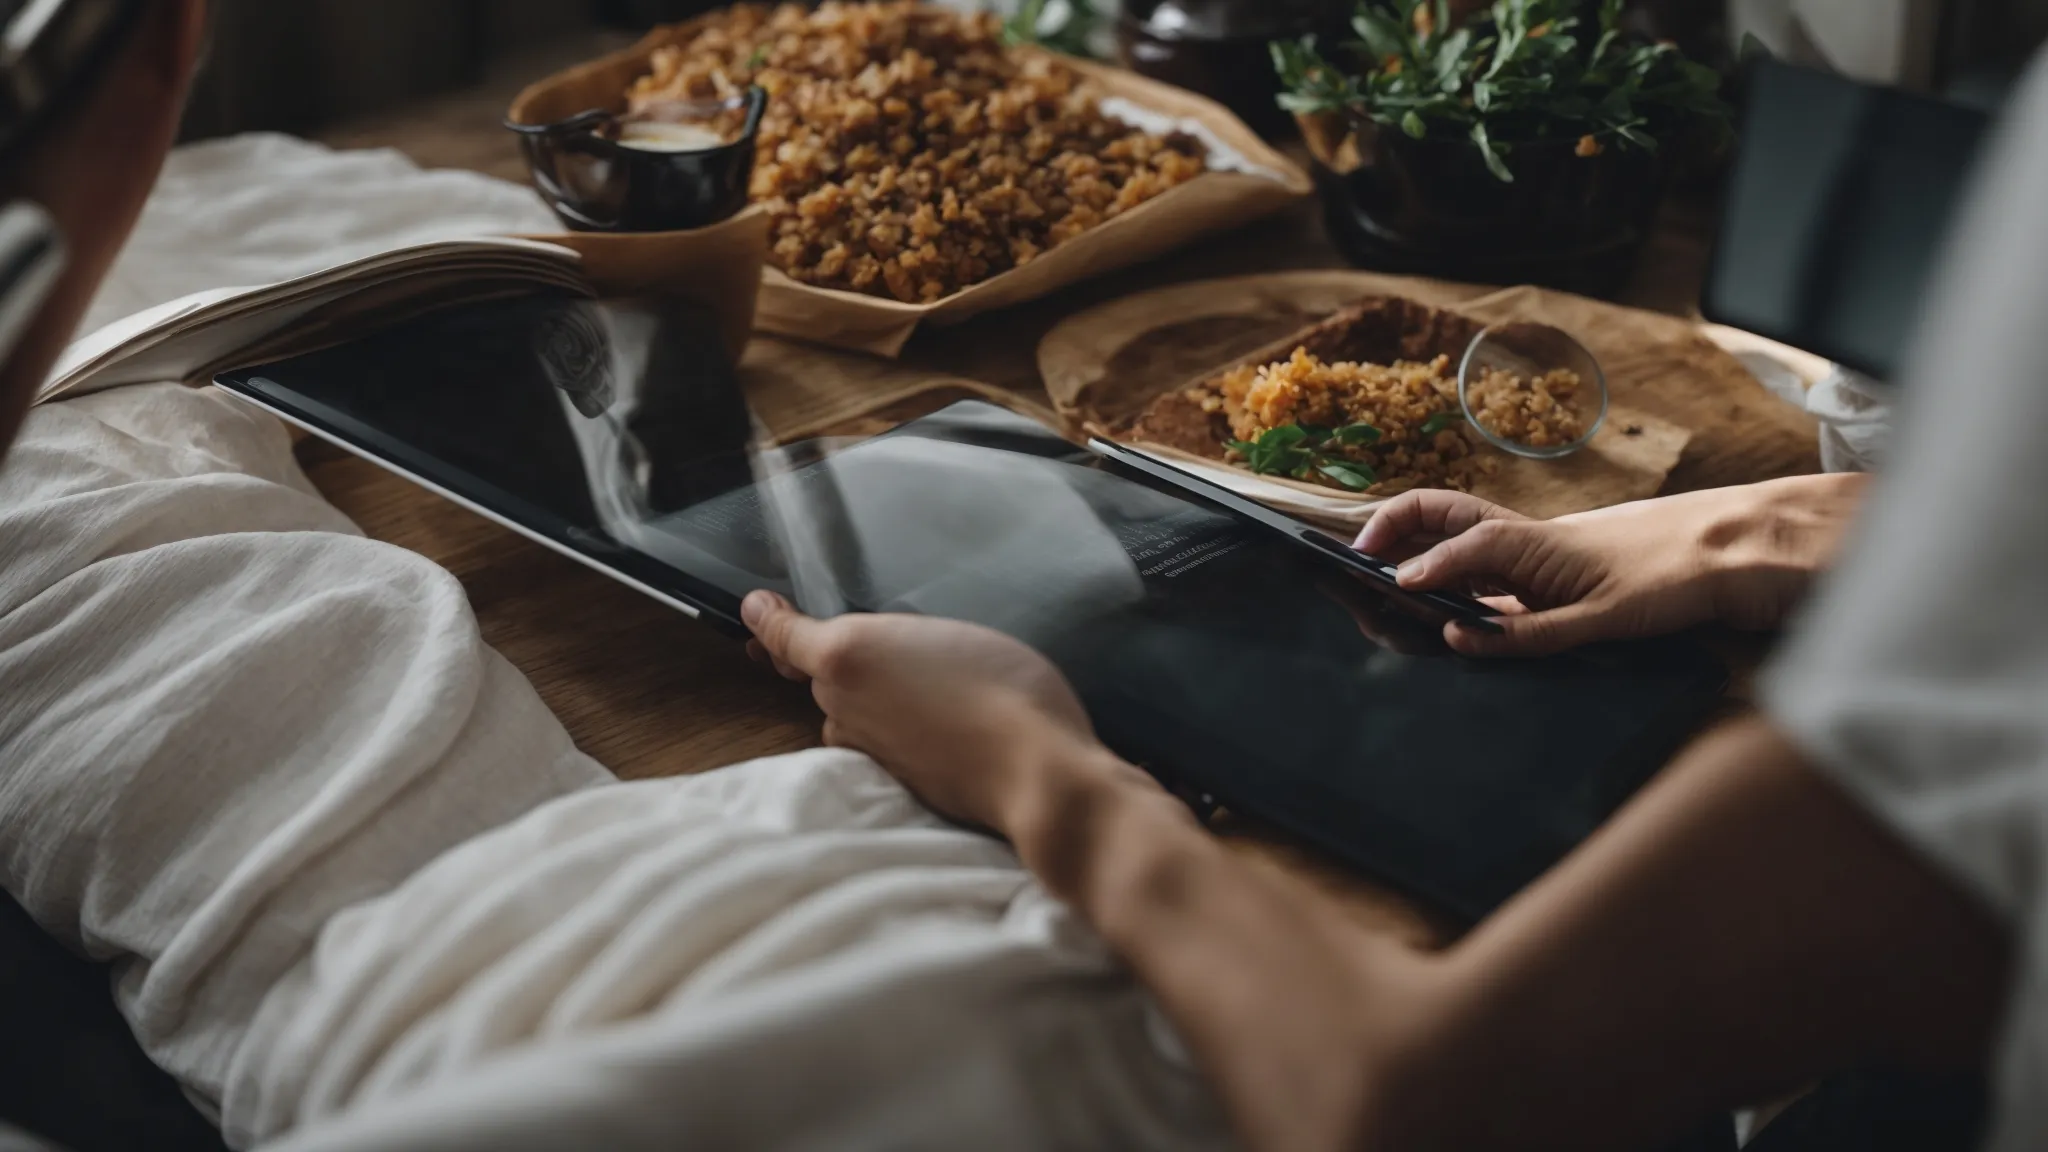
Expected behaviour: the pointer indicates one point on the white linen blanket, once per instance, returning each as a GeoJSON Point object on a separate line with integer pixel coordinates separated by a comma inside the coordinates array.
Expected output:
{"type": "Point", "coordinates": [363, 893]}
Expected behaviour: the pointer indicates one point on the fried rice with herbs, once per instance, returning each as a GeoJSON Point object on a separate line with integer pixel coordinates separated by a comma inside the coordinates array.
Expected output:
{"type": "Point", "coordinates": [1422, 439]}
{"type": "Point", "coordinates": [906, 151]}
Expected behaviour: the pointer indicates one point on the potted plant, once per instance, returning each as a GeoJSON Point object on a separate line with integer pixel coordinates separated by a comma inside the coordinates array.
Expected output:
{"type": "Point", "coordinates": [1528, 143]}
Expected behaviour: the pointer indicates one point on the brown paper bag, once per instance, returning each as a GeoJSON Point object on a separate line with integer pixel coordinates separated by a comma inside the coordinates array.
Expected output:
{"type": "Point", "coordinates": [1209, 203]}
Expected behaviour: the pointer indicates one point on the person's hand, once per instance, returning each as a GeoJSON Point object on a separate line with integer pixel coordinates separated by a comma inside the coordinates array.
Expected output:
{"type": "Point", "coordinates": [92, 168]}
{"type": "Point", "coordinates": [975, 723]}
{"type": "Point", "coordinates": [1741, 556]}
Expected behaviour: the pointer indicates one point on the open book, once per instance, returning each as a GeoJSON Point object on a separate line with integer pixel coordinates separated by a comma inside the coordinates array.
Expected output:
{"type": "Point", "coordinates": [201, 335]}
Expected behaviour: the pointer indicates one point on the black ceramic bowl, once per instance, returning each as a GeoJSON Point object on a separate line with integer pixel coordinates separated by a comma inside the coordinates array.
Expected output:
{"type": "Point", "coordinates": [597, 184]}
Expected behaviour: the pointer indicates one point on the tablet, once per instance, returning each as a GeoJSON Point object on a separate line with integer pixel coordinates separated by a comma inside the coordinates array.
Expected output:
{"type": "Point", "coordinates": [1229, 662]}
{"type": "Point", "coordinates": [1429, 605]}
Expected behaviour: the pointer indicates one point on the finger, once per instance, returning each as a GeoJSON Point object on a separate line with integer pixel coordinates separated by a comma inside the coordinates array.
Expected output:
{"type": "Point", "coordinates": [794, 640]}
{"type": "Point", "coordinates": [1531, 634]}
{"type": "Point", "coordinates": [1424, 514]}
{"type": "Point", "coordinates": [1503, 555]}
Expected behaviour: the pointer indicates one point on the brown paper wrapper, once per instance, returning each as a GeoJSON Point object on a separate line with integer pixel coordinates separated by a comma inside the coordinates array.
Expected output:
{"type": "Point", "coordinates": [1209, 203]}
{"type": "Point", "coordinates": [1672, 391]}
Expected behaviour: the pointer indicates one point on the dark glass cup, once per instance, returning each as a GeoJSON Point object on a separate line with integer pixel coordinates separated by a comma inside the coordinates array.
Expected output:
{"type": "Point", "coordinates": [595, 183]}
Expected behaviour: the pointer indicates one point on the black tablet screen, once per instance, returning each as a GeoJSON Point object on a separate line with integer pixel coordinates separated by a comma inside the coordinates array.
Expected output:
{"type": "Point", "coordinates": [1215, 654]}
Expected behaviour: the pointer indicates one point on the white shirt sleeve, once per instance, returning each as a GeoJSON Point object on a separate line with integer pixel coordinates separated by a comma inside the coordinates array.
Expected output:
{"type": "Point", "coordinates": [1919, 680]}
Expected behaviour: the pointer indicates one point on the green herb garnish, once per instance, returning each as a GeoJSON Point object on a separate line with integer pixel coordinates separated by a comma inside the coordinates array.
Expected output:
{"type": "Point", "coordinates": [1440, 421]}
{"type": "Point", "coordinates": [1303, 452]}
{"type": "Point", "coordinates": [1529, 70]}
{"type": "Point", "coordinates": [758, 57]}
{"type": "Point", "coordinates": [1072, 31]}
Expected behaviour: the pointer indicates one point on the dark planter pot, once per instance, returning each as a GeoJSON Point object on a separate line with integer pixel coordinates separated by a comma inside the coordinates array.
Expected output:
{"type": "Point", "coordinates": [1431, 207]}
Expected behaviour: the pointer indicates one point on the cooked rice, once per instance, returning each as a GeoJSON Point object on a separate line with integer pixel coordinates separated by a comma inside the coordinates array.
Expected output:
{"type": "Point", "coordinates": [906, 152]}
{"type": "Point", "coordinates": [1541, 412]}
{"type": "Point", "coordinates": [1398, 399]}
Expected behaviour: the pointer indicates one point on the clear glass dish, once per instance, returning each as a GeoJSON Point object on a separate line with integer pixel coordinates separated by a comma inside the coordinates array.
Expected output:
{"type": "Point", "coordinates": [1529, 351]}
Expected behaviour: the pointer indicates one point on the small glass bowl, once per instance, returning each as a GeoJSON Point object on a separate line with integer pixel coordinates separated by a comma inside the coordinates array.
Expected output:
{"type": "Point", "coordinates": [597, 184]}
{"type": "Point", "coordinates": [1529, 350]}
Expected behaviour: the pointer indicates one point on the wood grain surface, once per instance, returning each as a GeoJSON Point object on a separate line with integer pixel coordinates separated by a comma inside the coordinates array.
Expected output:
{"type": "Point", "coordinates": [649, 692]}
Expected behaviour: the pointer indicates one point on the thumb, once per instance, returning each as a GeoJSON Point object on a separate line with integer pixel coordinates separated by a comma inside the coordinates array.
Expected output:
{"type": "Point", "coordinates": [1491, 552]}
{"type": "Point", "coordinates": [1421, 516]}
{"type": "Point", "coordinates": [789, 636]}
{"type": "Point", "coordinates": [1532, 633]}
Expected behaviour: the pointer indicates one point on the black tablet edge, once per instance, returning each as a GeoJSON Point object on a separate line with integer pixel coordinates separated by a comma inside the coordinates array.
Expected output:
{"type": "Point", "coordinates": [358, 439]}
{"type": "Point", "coordinates": [1245, 510]}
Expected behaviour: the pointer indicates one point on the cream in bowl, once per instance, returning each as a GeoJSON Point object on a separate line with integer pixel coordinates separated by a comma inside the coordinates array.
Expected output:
{"type": "Point", "coordinates": [676, 165]}
{"type": "Point", "coordinates": [659, 136]}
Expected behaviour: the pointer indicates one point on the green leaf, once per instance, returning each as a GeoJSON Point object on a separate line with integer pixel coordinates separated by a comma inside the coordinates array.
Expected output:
{"type": "Point", "coordinates": [1356, 477]}
{"type": "Point", "coordinates": [1504, 53]}
{"type": "Point", "coordinates": [1450, 58]}
{"type": "Point", "coordinates": [758, 57]}
{"type": "Point", "coordinates": [1490, 152]}
{"type": "Point", "coordinates": [1284, 54]}
{"type": "Point", "coordinates": [1241, 447]}
{"type": "Point", "coordinates": [1439, 421]}
{"type": "Point", "coordinates": [1022, 26]}
{"type": "Point", "coordinates": [1606, 42]}
{"type": "Point", "coordinates": [1353, 434]}
{"type": "Point", "coordinates": [1636, 136]}
{"type": "Point", "coordinates": [1413, 125]}
{"type": "Point", "coordinates": [1383, 37]}
{"type": "Point", "coordinates": [1071, 34]}
{"type": "Point", "coordinates": [1285, 436]}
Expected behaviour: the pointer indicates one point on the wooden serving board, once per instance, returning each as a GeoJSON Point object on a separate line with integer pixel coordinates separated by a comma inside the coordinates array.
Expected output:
{"type": "Point", "coordinates": [1113, 358]}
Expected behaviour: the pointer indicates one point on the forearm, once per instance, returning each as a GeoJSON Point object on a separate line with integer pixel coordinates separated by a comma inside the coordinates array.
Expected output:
{"type": "Point", "coordinates": [1280, 1006]}
{"type": "Point", "coordinates": [1740, 929]}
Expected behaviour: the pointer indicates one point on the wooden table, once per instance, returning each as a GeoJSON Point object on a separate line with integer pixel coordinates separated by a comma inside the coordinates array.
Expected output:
{"type": "Point", "coordinates": [648, 692]}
